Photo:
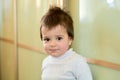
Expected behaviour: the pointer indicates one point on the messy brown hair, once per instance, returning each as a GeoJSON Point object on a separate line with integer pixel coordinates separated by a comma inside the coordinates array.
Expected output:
{"type": "Point", "coordinates": [57, 16]}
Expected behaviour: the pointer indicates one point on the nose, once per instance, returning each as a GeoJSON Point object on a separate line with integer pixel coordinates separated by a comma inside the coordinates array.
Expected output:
{"type": "Point", "coordinates": [52, 43]}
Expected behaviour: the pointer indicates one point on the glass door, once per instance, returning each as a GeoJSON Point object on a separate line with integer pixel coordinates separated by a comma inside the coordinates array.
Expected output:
{"type": "Point", "coordinates": [7, 45]}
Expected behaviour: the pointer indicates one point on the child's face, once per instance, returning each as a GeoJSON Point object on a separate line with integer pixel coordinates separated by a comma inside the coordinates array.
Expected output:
{"type": "Point", "coordinates": [56, 40]}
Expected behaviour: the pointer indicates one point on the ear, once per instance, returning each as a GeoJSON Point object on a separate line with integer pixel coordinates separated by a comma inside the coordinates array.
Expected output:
{"type": "Point", "coordinates": [70, 41]}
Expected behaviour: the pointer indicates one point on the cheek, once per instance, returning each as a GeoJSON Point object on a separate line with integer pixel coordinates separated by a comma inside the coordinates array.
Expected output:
{"type": "Point", "coordinates": [67, 44]}
{"type": "Point", "coordinates": [45, 46]}
{"type": "Point", "coordinates": [64, 45]}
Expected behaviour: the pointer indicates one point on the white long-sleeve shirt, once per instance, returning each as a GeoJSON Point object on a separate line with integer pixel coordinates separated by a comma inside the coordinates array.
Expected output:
{"type": "Point", "coordinates": [70, 66]}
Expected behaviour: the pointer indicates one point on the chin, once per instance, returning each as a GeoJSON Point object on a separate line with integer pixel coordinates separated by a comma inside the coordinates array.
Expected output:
{"type": "Point", "coordinates": [54, 55]}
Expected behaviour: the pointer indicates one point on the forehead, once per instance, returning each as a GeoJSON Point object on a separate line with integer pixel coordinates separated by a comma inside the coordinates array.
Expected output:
{"type": "Point", "coordinates": [55, 30]}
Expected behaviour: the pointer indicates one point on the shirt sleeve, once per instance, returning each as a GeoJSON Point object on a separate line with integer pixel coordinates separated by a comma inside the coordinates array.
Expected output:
{"type": "Point", "coordinates": [82, 71]}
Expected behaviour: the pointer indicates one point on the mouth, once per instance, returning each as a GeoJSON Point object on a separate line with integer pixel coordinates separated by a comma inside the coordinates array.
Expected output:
{"type": "Point", "coordinates": [53, 50]}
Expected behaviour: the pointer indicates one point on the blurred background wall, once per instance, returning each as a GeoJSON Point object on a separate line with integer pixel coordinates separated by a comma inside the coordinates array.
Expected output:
{"type": "Point", "coordinates": [97, 36]}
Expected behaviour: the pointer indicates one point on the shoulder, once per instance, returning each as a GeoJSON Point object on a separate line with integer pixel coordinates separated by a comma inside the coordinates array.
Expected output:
{"type": "Point", "coordinates": [79, 61]}
{"type": "Point", "coordinates": [46, 61]}
{"type": "Point", "coordinates": [78, 58]}
{"type": "Point", "coordinates": [81, 68]}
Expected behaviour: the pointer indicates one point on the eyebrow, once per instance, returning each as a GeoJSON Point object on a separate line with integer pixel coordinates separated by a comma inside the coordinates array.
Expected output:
{"type": "Point", "coordinates": [55, 35]}
{"type": "Point", "coordinates": [60, 35]}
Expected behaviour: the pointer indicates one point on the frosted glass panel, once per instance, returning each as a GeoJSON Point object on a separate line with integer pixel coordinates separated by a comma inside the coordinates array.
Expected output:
{"type": "Point", "coordinates": [99, 26]}
{"type": "Point", "coordinates": [7, 55]}
{"type": "Point", "coordinates": [99, 35]}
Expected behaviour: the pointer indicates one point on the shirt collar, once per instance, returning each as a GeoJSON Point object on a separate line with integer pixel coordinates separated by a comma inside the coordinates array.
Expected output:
{"type": "Point", "coordinates": [67, 53]}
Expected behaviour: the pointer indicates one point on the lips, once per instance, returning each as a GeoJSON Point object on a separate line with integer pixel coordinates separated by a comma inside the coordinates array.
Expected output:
{"type": "Point", "coordinates": [53, 50]}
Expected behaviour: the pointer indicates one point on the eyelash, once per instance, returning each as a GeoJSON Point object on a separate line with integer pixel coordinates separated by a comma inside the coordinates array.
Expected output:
{"type": "Point", "coordinates": [59, 38]}
{"type": "Point", "coordinates": [47, 39]}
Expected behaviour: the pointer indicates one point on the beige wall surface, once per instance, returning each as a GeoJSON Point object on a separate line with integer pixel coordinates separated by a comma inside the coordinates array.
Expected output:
{"type": "Point", "coordinates": [7, 55]}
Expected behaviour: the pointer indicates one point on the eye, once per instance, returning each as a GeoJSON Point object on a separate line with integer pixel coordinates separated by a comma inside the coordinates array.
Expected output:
{"type": "Point", "coordinates": [46, 39]}
{"type": "Point", "coordinates": [59, 38]}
